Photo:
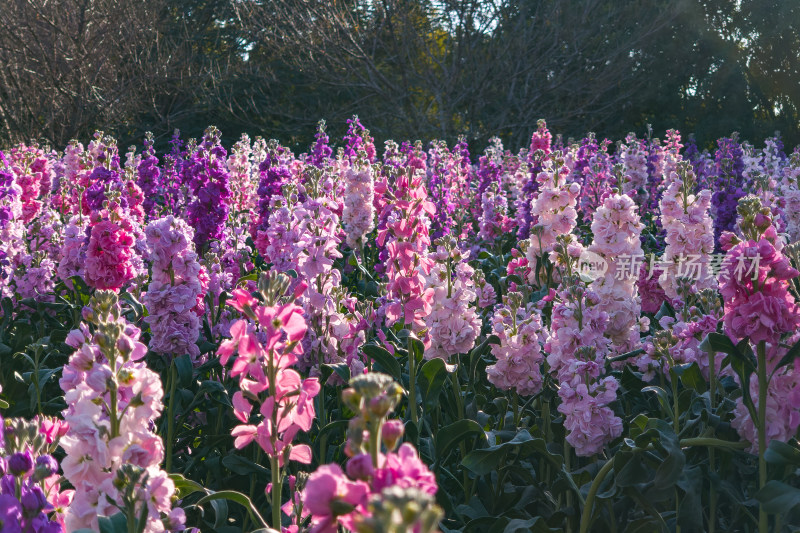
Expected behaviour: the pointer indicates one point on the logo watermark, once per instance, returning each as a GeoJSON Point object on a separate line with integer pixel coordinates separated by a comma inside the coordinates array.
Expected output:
{"type": "Point", "coordinates": [694, 266]}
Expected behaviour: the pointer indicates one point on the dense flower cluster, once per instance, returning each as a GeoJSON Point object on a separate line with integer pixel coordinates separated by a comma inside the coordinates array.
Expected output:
{"type": "Point", "coordinates": [554, 208]}
{"type": "Point", "coordinates": [616, 229]}
{"type": "Point", "coordinates": [406, 239]}
{"type": "Point", "coordinates": [519, 354]}
{"type": "Point", "coordinates": [689, 233]}
{"type": "Point", "coordinates": [174, 289]}
{"type": "Point", "coordinates": [110, 251]}
{"type": "Point", "coordinates": [358, 216]}
{"type": "Point", "coordinates": [30, 495]}
{"type": "Point", "coordinates": [205, 172]}
{"type": "Point", "coordinates": [465, 275]}
{"type": "Point", "coordinates": [453, 324]}
{"type": "Point", "coordinates": [112, 455]}
{"type": "Point", "coordinates": [577, 349]}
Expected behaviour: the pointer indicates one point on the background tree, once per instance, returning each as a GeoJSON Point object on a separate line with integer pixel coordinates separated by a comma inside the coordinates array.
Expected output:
{"type": "Point", "coordinates": [410, 68]}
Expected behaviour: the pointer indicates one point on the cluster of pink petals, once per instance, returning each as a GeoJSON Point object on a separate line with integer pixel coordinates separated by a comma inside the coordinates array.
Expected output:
{"type": "Point", "coordinates": [616, 228]}
{"type": "Point", "coordinates": [553, 209]}
{"type": "Point", "coordinates": [358, 215]}
{"type": "Point", "coordinates": [568, 333]}
{"type": "Point", "coordinates": [689, 234]}
{"type": "Point", "coordinates": [494, 219]}
{"type": "Point", "coordinates": [34, 174]}
{"type": "Point", "coordinates": [453, 324]}
{"type": "Point", "coordinates": [519, 354]}
{"type": "Point", "coordinates": [329, 487]}
{"type": "Point", "coordinates": [590, 423]}
{"type": "Point", "coordinates": [286, 405]}
{"type": "Point", "coordinates": [578, 347]}
{"type": "Point", "coordinates": [634, 165]}
{"type": "Point", "coordinates": [762, 309]}
{"type": "Point", "coordinates": [242, 164]}
{"type": "Point", "coordinates": [93, 453]}
{"type": "Point", "coordinates": [109, 255]}
{"type": "Point", "coordinates": [406, 239]}
{"type": "Point", "coordinates": [783, 409]}
{"type": "Point", "coordinates": [175, 286]}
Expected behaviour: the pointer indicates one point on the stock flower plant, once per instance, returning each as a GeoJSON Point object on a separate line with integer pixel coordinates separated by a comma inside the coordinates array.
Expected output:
{"type": "Point", "coordinates": [579, 335]}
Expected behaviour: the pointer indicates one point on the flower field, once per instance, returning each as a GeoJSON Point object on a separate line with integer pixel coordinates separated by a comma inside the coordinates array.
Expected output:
{"type": "Point", "coordinates": [579, 336]}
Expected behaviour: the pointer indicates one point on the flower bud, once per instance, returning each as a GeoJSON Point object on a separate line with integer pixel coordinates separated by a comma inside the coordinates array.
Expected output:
{"type": "Point", "coordinates": [125, 345]}
{"type": "Point", "coordinates": [380, 406]}
{"type": "Point", "coordinates": [33, 501]}
{"type": "Point", "coordinates": [46, 466]}
{"type": "Point", "coordinates": [351, 399]}
{"type": "Point", "coordinates": [391, 433]}
{"type": "Point", "coordinates": [360, 467]}
{"type": "Point", "coordinates": [20, 463]}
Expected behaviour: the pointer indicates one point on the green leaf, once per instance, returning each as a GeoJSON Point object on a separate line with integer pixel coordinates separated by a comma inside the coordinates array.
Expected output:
{"type": "Point", "coordinates": [236, 497]}
{"type": "Point", "coordinates": [115, 524]}
{"type": "Point", "coordinates": [691, 376]}
{"type": "Point", "coordinates": [183, 365]}
{"type": "Point", "coordinates": [417, 348]}
{"type": "Point", "coordinates": [58, 336]}
{"type": "Point", "coordinates": [487, 460]}
{"type": "Point", "coordinates": [629, 469]}
{"type": "Point", "coordinates": [382, 357]}
{"type": "Point", "coordinates": [184, 486]}
{"type": "Point", "coordinates": [532, 525]}
{"type": "Point", "coordinates": [253, 276]}
{"type": "Point", "coordinates": [663, 399]}
{"type": "Point", "coordinates": [720, 343]}
{"type": "Point", "coordinates": [777, 497]}
{"type": "Point", "coordinates": [137, 306]}
{"type": "Point", "coordinates": [449, 436]}
{"type": "Point", "coordinates": [790, 356]}
{"type": "Point", "coordinates": [626, 355]}
{"type": "Point", "coordinates": [782, 453]}
{"type": "Point", "coordinates": [432, 377]}
{"type": "Point", "coordinates": [665, 310]}
{"type": "Point", "coordinates": [220, 513]}
{"type": "Point", "coordinates": [243, 466]}
{"type": "Point", "coordinates": [340, 369]}
{"type": "Point", "coordinates": [216, 391]}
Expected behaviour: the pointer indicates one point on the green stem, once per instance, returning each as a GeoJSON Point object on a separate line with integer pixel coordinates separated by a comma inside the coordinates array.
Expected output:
{"type": "Point", "coordinates": [113, 414]}
{"type": "Point", "coordinates": [567, 467]}
{"type": "Point", "coordinates": [676, 420]}
{"type": "Point", "coordinates": [173, 378]}
{"type": "Point", "coordinates": [712, 495]}
{"type": "Point", "coordinates": [375, 442]}
{"type": "Point", "coordinates": [276, 492]}
{"type": "Point", "coordinates": [412, 382]}
{"type": "Point", "coordinates": [461, 416]}
{"type": "Point", "coordinates": [323, 439]}
{"type": "Point", "coordinates": [586, 515]}
{"type": "Point", "coordinates": [762, 429]}
{"type": "Point", "coordinates": [131, 518]}
{"type": "Point", "coordinates": [709, 441]}
{"type": "Point", "coordinates": [36, 352]}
